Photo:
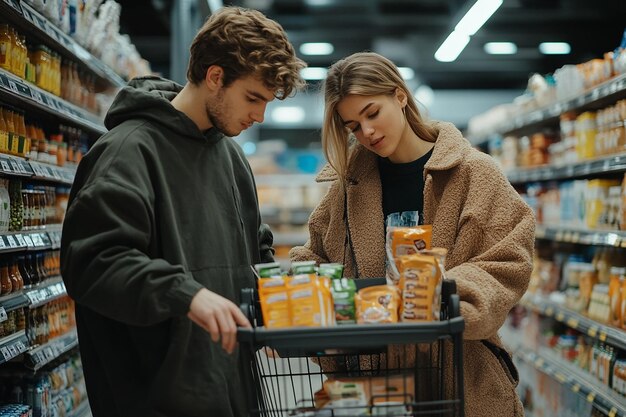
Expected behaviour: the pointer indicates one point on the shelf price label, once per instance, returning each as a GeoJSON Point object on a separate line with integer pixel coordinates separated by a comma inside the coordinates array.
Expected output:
{"type": "Point", "coordinates": [602, 336]}
{"type": "Point", "coordinates": [613, 412]}
{"type": "Point", "coordinates": [549, 311]}
{"type": "Point", "coordinates": [572, 322]}
{"type": "Point", "coordinates": [20, 240]}
{"type": "Point", "coordinates": [36, 95]}
{"type": "Point", "coordinates": [3, 314]}
{"type": "Point", "coordinates": [576, 387]}
{"type": "Point", "coordinates": [20, 346]}
{"type": "Point", "coordinates": [591, 397]}
{"type": "Point", "coordinates": [14, 4]}
{"type": "Point", "coordinates": [29, 241]}
{"type": "Point", "coordinates": [37, 240]}
{"type": "Point", "coordinates": [560, 316]}
{"type": "Point", "coordinates": [592, 331]}
{"type": "Point", "coordinates": [5, 353]}
{"type": "Point", "coordinates": [2, 244]}
{"type": "Point", "coordinates": [16, 169]}
{"type": "Point", "coordinates": [5, 166]}
{"type": "Point", "coordinates": [12, 242]}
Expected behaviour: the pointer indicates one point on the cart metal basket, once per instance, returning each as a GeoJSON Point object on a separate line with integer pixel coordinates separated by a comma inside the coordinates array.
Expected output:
{"type": "Point", "coordinates": [403, 369]}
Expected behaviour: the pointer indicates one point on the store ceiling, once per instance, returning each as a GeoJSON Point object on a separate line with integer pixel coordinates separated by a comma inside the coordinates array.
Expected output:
{"type": "Point", "coordinates": [410, 31]}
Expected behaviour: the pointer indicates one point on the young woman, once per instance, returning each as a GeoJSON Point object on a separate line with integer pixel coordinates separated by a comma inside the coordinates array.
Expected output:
{"type": "Point", "coordinates": [399, 162]}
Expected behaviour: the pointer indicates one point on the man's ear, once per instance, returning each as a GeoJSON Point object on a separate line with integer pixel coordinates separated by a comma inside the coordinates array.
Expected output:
{"type": "Point", "coordinates": [214, 77]}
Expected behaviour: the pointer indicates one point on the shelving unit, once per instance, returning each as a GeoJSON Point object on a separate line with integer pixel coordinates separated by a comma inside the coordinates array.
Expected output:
{"type": "Point", "coordinates": [614, 164]}
{"type": "Point", "coordinates": [599, 331]}
{"type": "Point", "coordinates": [28, 20]}
{"type": "Point", "coordinates": [42, 355]}
{"type": "Point", "coordinates": [597, 97]}
{"type": "Point", "coordinates": [612, 238]}
{"type": "Point", "coordinates": [578, 381]}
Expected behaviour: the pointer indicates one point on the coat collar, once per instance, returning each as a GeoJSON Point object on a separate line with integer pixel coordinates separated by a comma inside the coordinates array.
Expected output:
{"type": "Point", "coordinates": [450, 149]}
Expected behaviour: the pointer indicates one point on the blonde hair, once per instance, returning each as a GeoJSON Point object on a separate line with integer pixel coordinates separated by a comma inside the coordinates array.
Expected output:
{"type": "Point", "coordinates": [366, 74]}
{"type": "Point", "coordinates": [245, 42]}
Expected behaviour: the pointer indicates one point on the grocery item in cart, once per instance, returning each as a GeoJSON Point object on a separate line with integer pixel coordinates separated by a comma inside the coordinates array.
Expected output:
{"type": "Point", "coordinates": [378, 304]}
{"type": "Point", "coordinates": [402, 241]}
{"type": "Point", "coordinates": [343, 291]}
{"type": "Point", "coordinates": [331, 270]}
{"type": "Point", "coordinates": [274, 302]}
{"type": "Point", "coordinates": [268, 270]}
{"type": "Point", "coordinates": [304, 267]}
{"type": "Point", "coordinates": [310, 301]}
{"type": "Point", "coordinates": [420, 285]}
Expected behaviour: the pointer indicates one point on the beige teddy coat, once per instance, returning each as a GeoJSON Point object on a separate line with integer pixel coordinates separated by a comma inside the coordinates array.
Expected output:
{"type": "Point", "coordinates": [482, 221]}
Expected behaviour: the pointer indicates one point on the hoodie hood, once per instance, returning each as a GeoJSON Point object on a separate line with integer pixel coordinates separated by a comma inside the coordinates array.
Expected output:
{"type": "Point", "coordinates": [149, 98]}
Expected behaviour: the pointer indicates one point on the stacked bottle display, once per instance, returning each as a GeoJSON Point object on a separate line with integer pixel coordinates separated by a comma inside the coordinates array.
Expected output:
{"type": "Point", "coordinates": [46, 69]}
{"type": "Point", "coordinates": [57, 392]}
{"type": "Point", "coordinates": [27, 206]}
{"type": "Point", "coordinates": [23, 137]}
{"type": "Point", "coordinates": [27, 271]}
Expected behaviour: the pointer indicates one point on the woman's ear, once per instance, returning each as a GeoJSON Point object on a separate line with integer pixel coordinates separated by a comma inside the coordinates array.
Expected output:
{"type": "Point", "coordinates": [401, 97]}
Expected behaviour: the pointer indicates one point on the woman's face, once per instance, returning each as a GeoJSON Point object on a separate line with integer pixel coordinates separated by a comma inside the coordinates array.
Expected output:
{"type": "Point", "coordinates": [378, 122]}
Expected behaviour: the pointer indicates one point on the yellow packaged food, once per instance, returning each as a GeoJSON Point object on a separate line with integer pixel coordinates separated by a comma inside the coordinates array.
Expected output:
{"type": "Point", "coordinates": [310, 301]}
{"type": "Point", "coordinates": [402, 241]}
{"type": "Point", "coordinates": [420, 283]}
{"type": "Point", "coordinates": [274, 299]}
{"type": "Point", "coordinates": [378, 304]}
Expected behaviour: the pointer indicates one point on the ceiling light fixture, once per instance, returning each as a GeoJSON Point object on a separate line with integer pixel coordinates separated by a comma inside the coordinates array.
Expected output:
{"type": "Point", "coordinates": [473, 20]}
{"type": "Point", "coordinates": [452, 47]}
{"type": "Point", "coordinates": [407, 73]}
{"type": "Point", "coordinates": [288, 114]}
{"type": "Point", "coordinates": [319, 3]}
{"type": "Point", "coordinates": [313, 73]}
{"type": "Point", "coordinates": [215, 5]}
{"type": "Point", "coordinates": [555, 48]}
{"type": "Point", "coordinates": [317, 48]}
{"type": "Point", "coordinates": [500, 48]}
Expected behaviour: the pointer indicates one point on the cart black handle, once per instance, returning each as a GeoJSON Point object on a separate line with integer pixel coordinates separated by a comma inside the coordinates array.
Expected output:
{"type": "Point", "coordinates": [247, 305]}
{"type": "Point", "coordinates": [454, 306]}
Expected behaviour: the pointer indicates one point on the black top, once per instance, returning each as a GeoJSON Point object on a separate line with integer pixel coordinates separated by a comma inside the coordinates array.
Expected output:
{"type": "Point", "coordinates": [403, 185]}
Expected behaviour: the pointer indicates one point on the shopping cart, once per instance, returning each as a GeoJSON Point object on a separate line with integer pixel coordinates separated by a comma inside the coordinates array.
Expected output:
{"type": "Point", "coordinates": [404, 369]}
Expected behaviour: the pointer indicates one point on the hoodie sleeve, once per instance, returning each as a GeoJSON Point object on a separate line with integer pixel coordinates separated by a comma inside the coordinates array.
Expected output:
{"type": "Point", "coordinates": [496, 232]}
{"type": "Point", "coordinates": [266, 240]}
{"type": "Point", "coordinates": [106, 235]}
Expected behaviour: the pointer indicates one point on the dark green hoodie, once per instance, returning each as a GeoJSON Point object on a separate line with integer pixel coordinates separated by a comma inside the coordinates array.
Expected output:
{"type": "Point", "coordinates": [159, 210]}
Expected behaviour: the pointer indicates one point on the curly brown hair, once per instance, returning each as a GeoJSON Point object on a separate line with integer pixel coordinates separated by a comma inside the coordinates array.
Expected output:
{"type": "Point", "coordinates": [246, 42]}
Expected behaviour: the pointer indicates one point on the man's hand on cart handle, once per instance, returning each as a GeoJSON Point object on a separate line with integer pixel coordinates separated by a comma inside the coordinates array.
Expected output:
{"type": "Point", "coordinates": [218, 316]}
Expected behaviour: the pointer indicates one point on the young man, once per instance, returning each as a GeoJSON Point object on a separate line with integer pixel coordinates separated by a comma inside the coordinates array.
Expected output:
{"type": "Point", "coordinates": [163, 225]}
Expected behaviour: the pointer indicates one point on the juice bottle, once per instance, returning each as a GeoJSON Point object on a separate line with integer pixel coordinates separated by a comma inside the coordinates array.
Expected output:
{"type": "Point", "coordinates": [4, 132]}
{"type": "Point", "coordinates": [16, 51]}
{"type": "Point", "coordinates": [23, 57]}
{"type": "Point", "coordinates": [19, 147]}
{"type": "Point", "coordinates": [10, 121]}
{"type": "Point", "coordinates": [5, 47]}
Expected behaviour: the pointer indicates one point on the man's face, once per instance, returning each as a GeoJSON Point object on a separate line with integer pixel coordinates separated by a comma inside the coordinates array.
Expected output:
{"type": "Point", "coordinates": [236, 107]}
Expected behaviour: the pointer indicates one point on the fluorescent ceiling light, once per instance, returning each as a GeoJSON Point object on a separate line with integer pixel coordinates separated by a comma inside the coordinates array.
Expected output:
{"type": "Point", "coordinates": [317, 48]}
{"type": "Point", "coordinates": [452, 47]}
{"type": "Point", "coordinates": [215, 5]}
{"type": "Point", "coordinates": [476, 17]}
{"type": "Point", "coordinates": [288, 114]}
{"type": "Point", "coordinates": [407, 73]}
{"type": "Point", "coordinates": [318, 3]}
{"type": "Point", "coordinates": [555, 48]}
{"type": "Point", "coordinates": [313, 73]}
{"type": "Point", "coordinates": [500, 48]}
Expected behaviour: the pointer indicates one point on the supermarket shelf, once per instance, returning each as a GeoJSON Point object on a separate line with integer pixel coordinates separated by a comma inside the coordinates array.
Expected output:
{"type": "Point", "coordinates": [28, 96]}
{"type": "Point", "coordinates": [12, 346]}
{"type": "Point", "coordinates": [28, 20]}
{"type": "Point", "coordinates": [290, 238]}
{"type": "Point", "coordinates": [15, 166]}
{"type": "Point", "coordinates": [600, 96]}
{"type": "Point", "coordinates": [284, 180]}
{"type": "Point", "coordinates": [12, 302]}
{"type": "Point", "coordinates": [42, 355]}
{"type": "Point", "coordinates": [602, 332]}
{"type": "Point", "coordinates": [289, 216]}
{"type": "Point", "coordinates": [608, 165]}
{"type": "Point", "coordinates": [52, 289]}
{"type": "Point", "coordinates": [602, 397]}
{"type": "Point", "coordinates": [583, 237]}
{"type": "Point", "coordinates": [28, 240]}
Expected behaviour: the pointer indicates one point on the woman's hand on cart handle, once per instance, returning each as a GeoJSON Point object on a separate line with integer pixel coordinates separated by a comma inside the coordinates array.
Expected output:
{"type": "Point", "coordinates": [218, 316]}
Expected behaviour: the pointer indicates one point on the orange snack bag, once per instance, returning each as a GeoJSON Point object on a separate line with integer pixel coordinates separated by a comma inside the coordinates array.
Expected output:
{"type": "Point", "coordinates": [377, 304]}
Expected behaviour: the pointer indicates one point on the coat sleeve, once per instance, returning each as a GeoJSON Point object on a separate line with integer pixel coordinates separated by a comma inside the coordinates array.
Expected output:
{"type": "Point", "coordinates": [104, 262]}
{"type": "Point", "coordinates": [497, 232]}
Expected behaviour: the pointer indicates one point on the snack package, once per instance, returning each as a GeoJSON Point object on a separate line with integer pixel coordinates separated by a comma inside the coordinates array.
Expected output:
{"type": "Point", "coordinates": [401, 241]}
{"type": "Point", "coordinates": [332, 270]}
{"type": "Point", "coordinates": [268, 270]}
{"type": "Point", "coordinates": [303, 267]}
{"type": "Point", "coordinates": [420, 284]}
{"type": "Point", "coordinates": [378, 304]}
{"type": "Point", "coordinates": [344, 291]}
{"type": "Point", "coordinates": [386, 392]}
{"type": "Point", "coordinates": [310, 301]}
{"type": "Point", "coordinates": [274, 302]}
